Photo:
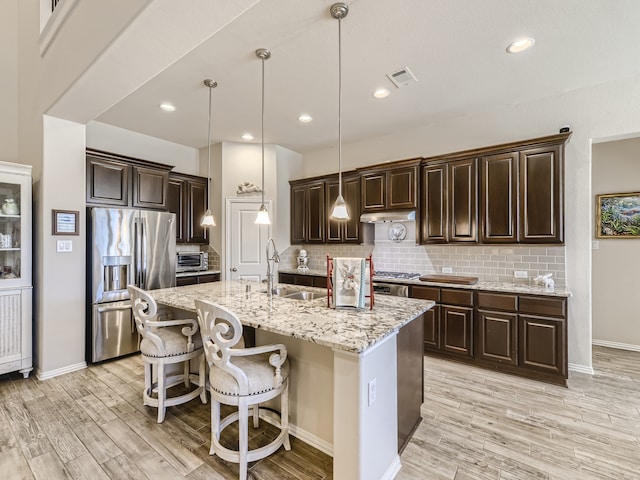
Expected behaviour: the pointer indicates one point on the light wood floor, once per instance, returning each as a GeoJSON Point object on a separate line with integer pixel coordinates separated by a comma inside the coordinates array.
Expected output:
{"type": "Point", "coordinates": [477, 425]}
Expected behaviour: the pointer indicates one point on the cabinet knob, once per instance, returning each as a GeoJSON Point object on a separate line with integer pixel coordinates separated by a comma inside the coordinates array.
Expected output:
{"type": "Point", "coordinates": [234, 269]}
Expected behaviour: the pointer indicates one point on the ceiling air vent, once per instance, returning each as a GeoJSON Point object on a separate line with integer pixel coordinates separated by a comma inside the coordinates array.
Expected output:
{"type": "Point", "coordinates": [402, 77]}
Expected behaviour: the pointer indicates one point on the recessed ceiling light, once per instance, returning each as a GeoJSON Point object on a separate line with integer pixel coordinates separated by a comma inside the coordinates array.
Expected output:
{"type": "Point", "coordinates": [520, 45]}
{"type": "Point", "coordinates": [381, 93]}
{"type": "Point", "coordinates": [305, 118]}
{"type": "Point", "coordinates": [247, 136]}
{"type": "Point", "coordinates": [167, 107]}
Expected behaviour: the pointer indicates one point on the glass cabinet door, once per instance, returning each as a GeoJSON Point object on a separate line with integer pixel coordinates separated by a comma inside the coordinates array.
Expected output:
{"type": "Point", "coordinates": [15, 229]}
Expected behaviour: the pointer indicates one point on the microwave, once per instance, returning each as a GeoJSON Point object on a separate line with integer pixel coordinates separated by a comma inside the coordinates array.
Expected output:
{"type": "Point", "coordinates": [192, 261]}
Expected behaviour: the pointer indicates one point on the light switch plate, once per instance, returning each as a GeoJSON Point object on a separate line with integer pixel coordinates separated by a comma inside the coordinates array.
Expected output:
{"type": "Point", "coordinates": [595, 245]}
{"type": "Point", "coordinates": [64, 246]}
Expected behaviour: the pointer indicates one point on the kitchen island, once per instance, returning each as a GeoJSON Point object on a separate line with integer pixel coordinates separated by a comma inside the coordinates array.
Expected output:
{"type": "Point", "coordinates": [345, 375]}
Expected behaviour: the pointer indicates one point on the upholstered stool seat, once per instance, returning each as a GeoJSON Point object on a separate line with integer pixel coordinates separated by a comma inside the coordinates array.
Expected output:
{"type": "Point", "coordinates": [242, 377]}
{"type": "Point", "coordinates": [167, 342]}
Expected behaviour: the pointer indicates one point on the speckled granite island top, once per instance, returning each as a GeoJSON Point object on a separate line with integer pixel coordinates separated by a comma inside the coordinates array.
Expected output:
{"type": "Point", "coordinates": [309, 320]}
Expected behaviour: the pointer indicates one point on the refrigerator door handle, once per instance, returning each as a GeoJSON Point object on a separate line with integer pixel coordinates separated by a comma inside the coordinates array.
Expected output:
{"type": "Point", "coordinates": [137, 249]}
{"type": "Point", "coordinates": [143, 255]}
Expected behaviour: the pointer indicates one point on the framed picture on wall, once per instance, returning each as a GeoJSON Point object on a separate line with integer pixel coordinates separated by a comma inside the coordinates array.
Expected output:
{"type": "Point", "coordinates": [618, 215]}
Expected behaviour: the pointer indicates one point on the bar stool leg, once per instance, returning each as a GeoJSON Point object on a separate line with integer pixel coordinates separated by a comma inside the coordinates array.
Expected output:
{"type": "Point", "coordinates": [243, 426]}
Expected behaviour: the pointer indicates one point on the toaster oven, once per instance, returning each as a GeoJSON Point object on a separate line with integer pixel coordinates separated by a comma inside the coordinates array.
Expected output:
{"type": "Point", "coordinates": [192, 261]}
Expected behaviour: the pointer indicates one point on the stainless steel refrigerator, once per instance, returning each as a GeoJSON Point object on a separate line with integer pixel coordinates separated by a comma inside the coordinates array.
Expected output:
{"type": "Point", "coordinates": [125, 246]}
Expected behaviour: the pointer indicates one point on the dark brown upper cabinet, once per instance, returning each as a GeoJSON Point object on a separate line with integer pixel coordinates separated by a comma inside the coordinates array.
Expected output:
{"type": "Point", "coordinates": [541, 195]}
{"type": "Point", "coordinates": [188, 200]}
{"type": "Point", "coordinates": [116, 180]}
{"type": "Point", "coordinates": [352, 230]}
{"type": "Point", "coordinates": [308, 211]}
{"type": "Point", "coordinates": [390, 187]}
{"type": "Point", "coordinates": [499, 198]}
{"type": "Point", "coordinates": [449, 202]}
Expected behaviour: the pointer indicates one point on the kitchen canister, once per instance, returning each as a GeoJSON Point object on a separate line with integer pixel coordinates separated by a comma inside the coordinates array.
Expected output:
{"type": "Point", "coordinates": [9, 207]}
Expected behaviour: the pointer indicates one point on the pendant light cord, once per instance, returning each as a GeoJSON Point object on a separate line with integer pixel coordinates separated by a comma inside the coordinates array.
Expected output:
{"type": "Point", "coordinates": [340, 107]}
{"type": "Point", "coordinates": [209, 155]}
{"type": "Point", "coordinates": [262, 131]}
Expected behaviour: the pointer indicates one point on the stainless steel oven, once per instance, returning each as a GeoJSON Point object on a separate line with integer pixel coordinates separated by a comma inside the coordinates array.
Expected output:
{"type": "Point", "coordinates": [395, 289]}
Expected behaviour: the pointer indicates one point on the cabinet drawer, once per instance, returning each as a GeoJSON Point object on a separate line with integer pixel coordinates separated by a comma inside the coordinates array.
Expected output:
{"type": "Point", "coordinates": [426, 293]}
{"type": "Point", "coordinates": [555, 307]}
{"type": "Point", "coordinates": [456, 297]}
{"type": "Point", "coordinates": [498, 301]}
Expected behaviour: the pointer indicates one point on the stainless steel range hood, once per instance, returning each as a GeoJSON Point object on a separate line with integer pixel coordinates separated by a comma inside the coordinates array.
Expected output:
{"type": "Point", "coordinates": [389, 216]}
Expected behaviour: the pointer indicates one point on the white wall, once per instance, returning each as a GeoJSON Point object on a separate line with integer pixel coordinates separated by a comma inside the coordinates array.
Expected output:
{"type": "Point", "coordinates": [102, 136]}
{"type": "Point", "coordinates": [594, 113]}
{"type": "Point", "coordinates": [616, 263]}
{"type": "Point", "coordinates": [9, 81]}
{"type": "Point", "coordinates": [60, 277]}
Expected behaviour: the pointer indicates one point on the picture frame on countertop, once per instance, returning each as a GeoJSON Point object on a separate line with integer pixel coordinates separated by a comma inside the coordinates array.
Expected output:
{"type": "Point", "coordinates": [64, 222]}
{"type": "Point", "coordinates": [618, 215]}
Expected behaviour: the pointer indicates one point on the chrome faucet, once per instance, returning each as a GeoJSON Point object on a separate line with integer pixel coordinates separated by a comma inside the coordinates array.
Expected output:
{"type": "Point", "coordinates": [275, 258]}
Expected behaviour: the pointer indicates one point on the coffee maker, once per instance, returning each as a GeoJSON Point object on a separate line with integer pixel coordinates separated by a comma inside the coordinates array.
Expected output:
{"type": "Point", "coordinates": [303, 260]}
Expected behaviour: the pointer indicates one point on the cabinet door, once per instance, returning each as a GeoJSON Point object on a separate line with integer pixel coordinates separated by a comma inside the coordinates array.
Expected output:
{"type": "Point", "coordinates": [541, 196]}
{"type": "Point", "coordinates": [298, 208]}
{"type": "Point", "coordinates": [497, 337]}
{"type": "Point", "coordinates": [150, 187]}
{"type": "Point", "coordinates": [434, 204]}
{"type": "Point", "coordinates": [499, 198]}
{"type": "Point", "coordinates": [197, 201]}
{"type": "Point", "coordinates": [463, 205]}
{"type": "Point", "coordinates": [401, 188]}
{"type": "Point", "coordinates": [335, 228]}
{"type": "Point", "coordinates": [542, 344]}
{"type": "Point", "coordinates": [457, 330]}
{"type": "Point", "coordinates": [190, 280]}
{"type": "Point", "coordinates": [374, 189]}
{"type": "Point", "coordinates": [107, 182]}
{"type": "Point", "coordinates": [209, 278]}
{"type": "Point", "coordinates": [177, 203]}
{"type": "Point", "coordinates": [353, 229]}
{"type": "Point", "coordinates": [432, 329]}
{"type": "Point", "coordinates": [316, 213]}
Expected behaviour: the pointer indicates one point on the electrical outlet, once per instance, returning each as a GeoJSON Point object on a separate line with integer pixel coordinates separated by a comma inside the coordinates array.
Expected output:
{"type": "Point", "coordinates": [373, 391]}
{"type": "Point", "coordinates": [520, 274]}
{"type": "Point", "coordinates": [447, 270]}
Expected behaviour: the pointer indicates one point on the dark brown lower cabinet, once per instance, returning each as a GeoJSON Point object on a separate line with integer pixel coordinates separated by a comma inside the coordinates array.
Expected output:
{"type": "Point", "coordinates": [410, 380]}
{"type": "Point", "coordinates": [197, 279]}
{"type": "Point", "coordinates": [497, 337]}
{"type": "Point", "coordinates": [515, 333]}
{"type": "Point", "coordinates": [304, 280]}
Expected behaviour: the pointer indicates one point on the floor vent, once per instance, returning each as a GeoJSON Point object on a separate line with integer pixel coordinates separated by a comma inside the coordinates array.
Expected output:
{"type": "Point", "coordinates": [402, 77]}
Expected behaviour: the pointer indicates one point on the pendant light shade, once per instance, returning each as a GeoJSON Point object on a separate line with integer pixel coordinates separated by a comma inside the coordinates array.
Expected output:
{"type": "Point", "coordinates": [208, 220]}
{"type": "Point", "coordinates": [340, 210]}
{"type": "Point", "coordinates": [263, 214]}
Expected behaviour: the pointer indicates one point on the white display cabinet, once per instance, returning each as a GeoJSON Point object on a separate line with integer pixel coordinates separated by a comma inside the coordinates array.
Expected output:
{"type": "Point", "coordinates": [16, 337]}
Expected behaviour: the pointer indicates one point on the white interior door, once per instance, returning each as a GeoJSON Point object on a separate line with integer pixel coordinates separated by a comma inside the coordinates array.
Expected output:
{"type": "Point", "coordinates": [246, 241]}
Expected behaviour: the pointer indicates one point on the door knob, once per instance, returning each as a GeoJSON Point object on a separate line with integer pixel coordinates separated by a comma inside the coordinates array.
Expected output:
{"type": "Point", "coordinates": [234, 269]}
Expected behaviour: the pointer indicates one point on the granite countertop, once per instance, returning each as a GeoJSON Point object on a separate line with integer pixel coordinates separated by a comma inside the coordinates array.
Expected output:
{"type": "Point", "coordinates": [481, 285]}
{"type": "Point", "coordinates": [198, 272]}
{"type": "Point", "coordinates": [309, 320]}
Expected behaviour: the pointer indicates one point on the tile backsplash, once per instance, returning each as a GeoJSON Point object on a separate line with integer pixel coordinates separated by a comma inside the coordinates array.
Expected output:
{"type": "Point", "coordinates": [493, 263]}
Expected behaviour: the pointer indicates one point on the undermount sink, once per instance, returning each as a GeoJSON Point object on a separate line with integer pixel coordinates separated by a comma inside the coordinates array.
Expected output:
{"type": "Point", "coordinates": [294, 294]}
{"type": "Point", "coordinates": [304, 295]}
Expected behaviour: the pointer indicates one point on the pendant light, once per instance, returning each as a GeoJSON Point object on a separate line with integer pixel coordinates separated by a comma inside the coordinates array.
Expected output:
{"type": "Point", "coordinates": [208, 220]}
{"type": "Point", "coordinates": [263, 215]}
{"type": "Point", "coordinates": [340, 211]}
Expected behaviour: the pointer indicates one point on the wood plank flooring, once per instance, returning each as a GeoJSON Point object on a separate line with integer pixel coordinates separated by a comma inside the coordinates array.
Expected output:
{"type": "Point", "coordinates": [477, 424]}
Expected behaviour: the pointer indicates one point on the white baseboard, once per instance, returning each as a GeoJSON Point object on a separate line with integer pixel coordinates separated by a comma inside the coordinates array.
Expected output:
{"type": "Point", "coordinates": [40, 375]}
{"type": "Point", "coordinates": [621, 346]}
{"type": "Point", "coordinates": [306, 437]}
{"type": "Point", "coordinates": [581, 368]}
{"type": "Point", "coordinates": [393, 469]}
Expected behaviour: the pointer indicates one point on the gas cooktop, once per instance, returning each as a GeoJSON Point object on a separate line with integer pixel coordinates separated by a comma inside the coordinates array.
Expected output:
{"type": "Point", "coordinates": [397, 275]}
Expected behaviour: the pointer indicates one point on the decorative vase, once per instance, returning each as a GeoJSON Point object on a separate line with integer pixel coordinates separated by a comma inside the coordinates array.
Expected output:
{"type": "Point", "coordinates": [9, 207]}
